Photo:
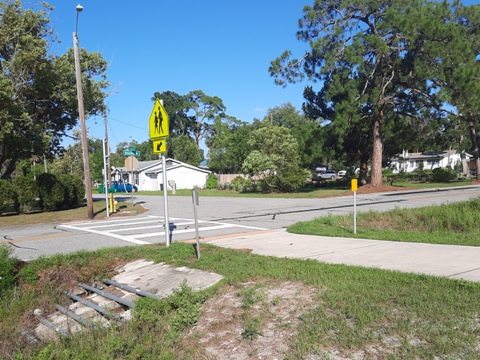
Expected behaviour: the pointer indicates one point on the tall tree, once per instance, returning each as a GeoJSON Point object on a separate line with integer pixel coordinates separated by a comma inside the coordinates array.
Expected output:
{"type": "Point", "coordinates": [186, 150]}
{"type": "Point", "coordinates": [228, 145]}
{"type": "Point", "coordinates": [37, 90]}
{"type": "Point", "coordinates": [363, 53]}
{"type": "Point", "coordinates": [177, 107]}
{"type": "Point", "coordinates": [307, 131]}
{"type": "Point", "coordinates": [457, 75]}
{"type": "Point", "coordinates": [205, 109]}
{"type": "Point", "coordinates": [275, 158]}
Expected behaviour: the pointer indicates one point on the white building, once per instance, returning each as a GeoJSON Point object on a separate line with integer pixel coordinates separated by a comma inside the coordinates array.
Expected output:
{"type": "Point", "coordinates": [409, 162]}
{"type": "Point", "coordinates": [148, 175]}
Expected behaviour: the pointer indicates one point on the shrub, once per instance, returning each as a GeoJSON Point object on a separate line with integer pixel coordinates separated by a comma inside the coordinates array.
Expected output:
{"type": "Point", "coordinates": [387, 172]}
{"type": "Point", "coordinates": [27, 191]}
{"type": "Point", "coordinates": [443, 175]}
{"type": "Point", "coordinates": [52, 192]}
{"type": "Point", "coordinates": [212, 181]}
{"type": "Point", "coordinates": [79, 188]}
{"type": "Point", "coordinates": [7, 269]}
{"type": "Point", "coordinates": [291, 180]}
{"type": "Point", "coordinates": [241, 184]}
{"type": "Point", "coordinates": [74, 189]}
{"type": "Point", "coordinates": [8, 196]}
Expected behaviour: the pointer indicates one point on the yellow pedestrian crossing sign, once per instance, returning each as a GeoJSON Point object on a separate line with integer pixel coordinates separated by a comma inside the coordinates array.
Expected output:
{"type": "Point", "coordinates": [158, 122]}
{"type": "Point", "coordinates": [160, 146]}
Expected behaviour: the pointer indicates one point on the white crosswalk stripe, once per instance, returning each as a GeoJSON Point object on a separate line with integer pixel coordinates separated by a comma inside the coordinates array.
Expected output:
{"type": "Point", "coordinates": [133, 230]}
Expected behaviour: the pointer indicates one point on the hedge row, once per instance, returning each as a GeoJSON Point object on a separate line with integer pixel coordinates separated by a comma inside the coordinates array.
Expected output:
{"type": "Point", "coordinates": [48, 192]}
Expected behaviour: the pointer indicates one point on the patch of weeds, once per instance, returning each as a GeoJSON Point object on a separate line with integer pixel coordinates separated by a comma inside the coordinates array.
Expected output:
{"type": "Point", "coordinates": [7, 269]}
{"type": "Point", "coordinates": [250, 296]}
{"type": "Point", "coordinates": [183, 306]}
{"type": "Point", "coordinates": [276, 300]}
{"type": "Point", "coordinates": [187, 304]}
{"type": "Point", "coordinates": [149, 310]}
{"type": "Point", "coordinates": [28, 275]}
{"type": "Point", "coordinates": [252, 329]}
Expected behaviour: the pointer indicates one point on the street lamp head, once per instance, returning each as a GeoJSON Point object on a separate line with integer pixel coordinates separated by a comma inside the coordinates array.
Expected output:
{"type": "Point", "coordinates": [79, 8]}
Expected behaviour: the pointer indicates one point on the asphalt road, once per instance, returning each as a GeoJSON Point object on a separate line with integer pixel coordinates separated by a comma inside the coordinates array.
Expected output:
{"type": "Point", "coordinates": [216, 216]}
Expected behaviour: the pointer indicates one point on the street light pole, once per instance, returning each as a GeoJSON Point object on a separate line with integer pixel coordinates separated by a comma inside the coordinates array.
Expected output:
{"type": "Point", "coordinates": [81, 114]}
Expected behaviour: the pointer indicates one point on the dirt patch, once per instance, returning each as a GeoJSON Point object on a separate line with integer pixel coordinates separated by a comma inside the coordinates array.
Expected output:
{"type": "Point", "coordinates": [252, 321]}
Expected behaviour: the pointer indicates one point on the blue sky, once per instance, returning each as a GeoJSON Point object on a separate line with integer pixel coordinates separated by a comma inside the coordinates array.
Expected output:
{"type": "Point", "coordinates": [221, 47]}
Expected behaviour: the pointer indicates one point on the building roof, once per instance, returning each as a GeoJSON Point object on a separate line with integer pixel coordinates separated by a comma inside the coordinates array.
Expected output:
{"type": "Point", "coordinates": [424, 155]}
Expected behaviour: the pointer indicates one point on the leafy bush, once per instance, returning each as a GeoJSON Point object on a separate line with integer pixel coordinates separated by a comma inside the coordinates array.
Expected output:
{"type": "Point", "coordinates": [291, 180]}
{"type": "Point", "coordinates": [225, 186]}
{"type": "Point", "coordinates": [52, 192]}
{"type": "Point", "coordinates": [387, 172]}
{"type": "Point", "coordinates": [443, 175]}
{"type": "Point", "coordinates": [74, 189]}
{"type": "Point", "coordinates": [8, 196]}
{"type": "Point", "coordinates": [212, 181]}
{"type": "Point", "coordinates": [7, 269]}
{"type": "Point", "coordinates": [28, 192]}
{"type": "Point", "coordinates": [241, 184]}
{"type": "Point", "coordinates": [183, 306]}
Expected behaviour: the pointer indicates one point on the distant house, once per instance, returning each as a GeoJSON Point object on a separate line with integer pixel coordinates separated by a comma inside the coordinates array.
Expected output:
{"type": "Point", "coordinates": [148, 175]}
{"type": "Point", "coordinates": [409, 162]}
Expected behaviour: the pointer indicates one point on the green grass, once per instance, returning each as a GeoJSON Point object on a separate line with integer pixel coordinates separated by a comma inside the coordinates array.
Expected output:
{"type": "Point", "coordinates": [428, 185]}
{"type": "Point", "coordinates": [402, 316]}
{"type": "Point", "coordinates": [453, 224]}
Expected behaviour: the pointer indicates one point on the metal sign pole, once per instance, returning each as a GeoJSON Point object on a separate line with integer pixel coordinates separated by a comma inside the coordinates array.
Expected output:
{"type": "Point", "coordinates": [195, 204]}
{"type": "Point", "coordinates": [354, 212]}
{"type": "Point", "coordinates": [131, 157]}
{"type": "Point", "coordinates": [105, 175]}
{"type": "Point", "coordinates": [165, 200]}
{"type": "Point", "coordinates": [354, 185]}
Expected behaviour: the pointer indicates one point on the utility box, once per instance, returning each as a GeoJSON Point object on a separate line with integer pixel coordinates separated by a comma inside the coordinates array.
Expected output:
{"type": "Point", "coordinates": [173, 185]}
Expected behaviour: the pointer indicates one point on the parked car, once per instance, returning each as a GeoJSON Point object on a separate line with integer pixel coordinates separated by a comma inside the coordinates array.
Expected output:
{"type": "Point", "coordinates": [342, 173]}
{"type": "Point", "coordinates": [319, 167]}
{"type": "Point", "coordinates": [124, 187]}
{"type": "Point", "coordinates": [327, 174]}
{"type": "Point", "coordinates": [118, 186]}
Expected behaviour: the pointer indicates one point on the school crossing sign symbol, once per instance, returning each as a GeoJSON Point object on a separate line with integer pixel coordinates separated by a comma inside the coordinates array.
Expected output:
{"type": "Point", "coordinates": [158, 122]}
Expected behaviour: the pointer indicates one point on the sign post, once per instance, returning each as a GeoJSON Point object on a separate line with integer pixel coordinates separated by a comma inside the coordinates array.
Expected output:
{"type": "Point", "coordinates": [158, 128]}
{"type": "Point", "coordinates": [354, 189]}
{"type": "Point", "coordinates": [105, 175]}
{"type": "Point", "coordinates": [131, 152]}
{"type": "Point", "coordinates": [195, 204]}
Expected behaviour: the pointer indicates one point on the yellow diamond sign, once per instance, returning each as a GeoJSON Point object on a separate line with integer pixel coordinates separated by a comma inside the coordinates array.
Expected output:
{"type": "Point", "coordinates": [160, 146]}
{"type": "Point", "coordinates": [158, 122]}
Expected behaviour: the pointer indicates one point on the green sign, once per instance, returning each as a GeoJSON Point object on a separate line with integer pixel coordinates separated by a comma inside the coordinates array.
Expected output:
{"type": "Point", "coordinates": [131, 153]}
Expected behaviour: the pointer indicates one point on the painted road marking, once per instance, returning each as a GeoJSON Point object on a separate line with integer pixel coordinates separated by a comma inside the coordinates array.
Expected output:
{"type": "Point", "coordinates": [115, 228]}
{"type": "Point", "coordinates": [44, 237]}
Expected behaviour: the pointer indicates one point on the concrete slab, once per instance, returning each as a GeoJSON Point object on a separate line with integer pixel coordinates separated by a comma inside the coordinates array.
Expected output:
{"type": "Point", "coordinates": [161, 279]}
{"type": "Point", "coordinates": [456, 262]}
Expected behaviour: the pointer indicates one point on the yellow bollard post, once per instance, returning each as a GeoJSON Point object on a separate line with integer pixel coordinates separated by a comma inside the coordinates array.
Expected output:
{"type": "Point", "coordinates": [113, 203]}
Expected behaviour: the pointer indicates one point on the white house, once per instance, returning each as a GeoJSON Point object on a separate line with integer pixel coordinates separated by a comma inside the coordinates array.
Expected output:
{"type": "Point", "coordinates": [149, 176]}
{"type": "Point", "coordinates": [409, 162]}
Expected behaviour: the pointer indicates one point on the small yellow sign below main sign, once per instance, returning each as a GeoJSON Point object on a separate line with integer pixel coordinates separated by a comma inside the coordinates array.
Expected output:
{"type": "Point", "coordinates": [354, 184]}
{"type": "Point", "coordinates": [160, 146]}
{"type": "Point", "coordinates": [158, 123]}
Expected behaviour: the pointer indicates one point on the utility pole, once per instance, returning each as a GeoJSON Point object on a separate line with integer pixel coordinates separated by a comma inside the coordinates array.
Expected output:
{"type": "Point", "coordinates": [81, 114]}
{"type": "Point", "coordinates": [107, 151]}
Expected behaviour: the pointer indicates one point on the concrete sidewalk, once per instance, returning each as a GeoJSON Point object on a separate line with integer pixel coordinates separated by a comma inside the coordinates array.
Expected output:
{"type": "Point", "coordinates": [455, 262]}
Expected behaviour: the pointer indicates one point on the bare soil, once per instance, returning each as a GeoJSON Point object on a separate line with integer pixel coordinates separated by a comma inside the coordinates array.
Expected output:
{"type": "Point", "coordinates": [232, 327]}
